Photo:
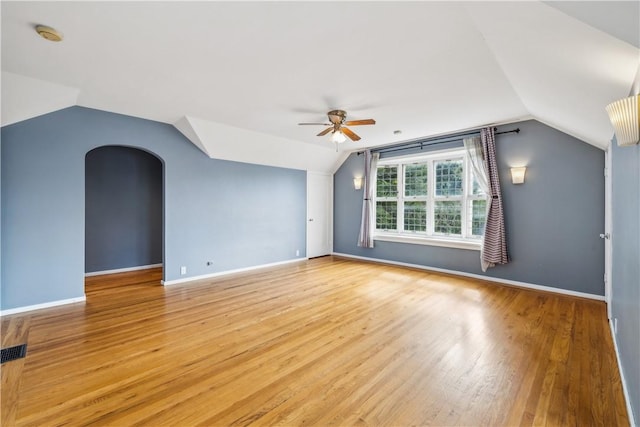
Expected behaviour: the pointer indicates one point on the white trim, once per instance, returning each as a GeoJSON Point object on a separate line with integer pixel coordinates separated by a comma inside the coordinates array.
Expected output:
{"type": "Point", "coordinates": [625, 389]}
{"type": "Point", "coordinates": [478, 276]}
{"type": "Point", "coordinates": [122, 270]}
{"type": "Point", "coordinates": [428, 240]}
{"type": "Point", "coordinates": [608, 218]}
{"type": "Point", "coordinates": [228, 272]}
{"type": "Point", "coordinates": [466, 240]}
{"type": "Point", "coordinates": [43, 305]}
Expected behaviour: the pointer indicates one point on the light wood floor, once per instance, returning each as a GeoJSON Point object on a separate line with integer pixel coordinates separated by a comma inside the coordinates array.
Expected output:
{"type": "Point", "coordinates": [322, 342]}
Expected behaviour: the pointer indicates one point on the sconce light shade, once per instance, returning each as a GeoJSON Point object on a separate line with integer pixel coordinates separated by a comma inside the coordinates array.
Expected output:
{"type": "Point", "coordinates": [625, 118]}
{"type": "Point", "coordinates": [357, 183]}
{"type": "Point", "coordinates": [517, 175]}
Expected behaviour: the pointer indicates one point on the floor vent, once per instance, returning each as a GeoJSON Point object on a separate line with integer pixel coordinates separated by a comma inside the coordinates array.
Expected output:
{"type": "Point", "coordinates": [13, 353]}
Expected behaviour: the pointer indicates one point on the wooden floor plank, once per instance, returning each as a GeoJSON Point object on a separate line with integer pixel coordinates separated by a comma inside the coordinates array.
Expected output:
{"type": "Point", "coordinates": [327, 341]}
{"type": "Point", "coordinates": [15, 331]}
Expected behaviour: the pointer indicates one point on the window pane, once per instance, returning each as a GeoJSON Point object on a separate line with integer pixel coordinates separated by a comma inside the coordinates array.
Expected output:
{"type": "Point", "coordinates": [415, 216]}
{"type": "Point", "coordinates": [447, 217]}
{"type": "Point", "coordinates": [449, 178]}
{"type": "Point", "coordinates": [386, 215]}
{"type": "Point", "coordinates": [387, 181]}
{"type": "Point", "coordinates": [415, 180]}
{"type": "Point", "coordinates": [477, 191]}
{"type": "Point", "coordinates": [478, 216]}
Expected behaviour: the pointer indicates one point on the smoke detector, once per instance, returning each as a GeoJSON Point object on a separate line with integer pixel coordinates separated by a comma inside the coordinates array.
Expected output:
{"type": "Point", "coordinates": [49, 33]}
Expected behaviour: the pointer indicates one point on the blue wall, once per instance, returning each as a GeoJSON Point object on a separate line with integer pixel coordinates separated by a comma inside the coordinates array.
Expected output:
{"type": "Point", "coordinates": [553, 220]}
{"type": "Point", "coordinates": [234, 214]}
{"type": "Point", "coordinates": [625, 241]}
{"type": "Point", "coordinates": [123, 209]}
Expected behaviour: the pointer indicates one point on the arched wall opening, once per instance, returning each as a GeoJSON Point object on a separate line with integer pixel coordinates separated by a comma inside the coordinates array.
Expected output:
{"type": "Point", "coordinates": [123, 210]}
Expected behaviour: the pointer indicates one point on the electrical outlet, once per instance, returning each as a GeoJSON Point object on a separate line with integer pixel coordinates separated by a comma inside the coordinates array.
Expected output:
{"type": "Point", "coordinates": [183, 270]}
{"type": "Point", "coordinates": [615, 326]}
{"type": "Point", "coordinates": [297, 252]}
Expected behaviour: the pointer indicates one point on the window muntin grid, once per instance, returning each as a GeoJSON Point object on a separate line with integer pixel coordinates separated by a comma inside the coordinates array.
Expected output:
{"type": "Point", "coordinates": [447, 217]}
{"type": "Point", "coordinates": [423, 186]}
{"type": "Point", "coordinates": [387, 198]}
{"type": "Point", "coordinates": [416, 179]}
{"type": "Point", "coordinates": [415, 216]}
{"type": "Point", "coordinates": [387, 181]}
{"type": "Point", "coordinates": [449, 178]}
{"type": "Point", "coordinates": [449, 192]}
{"type": "Point", "coordinates": [386, 215]}
{"type": "Point", "coordinates": [476, 190]}
{"type": "Point", "coordinates": [478, 216]}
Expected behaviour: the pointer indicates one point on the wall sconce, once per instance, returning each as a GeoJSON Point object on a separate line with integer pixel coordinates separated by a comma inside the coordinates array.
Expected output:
{"type": "Point", "coordinates": [625, 118]}
{"type": "Point", "coordinates": [357, 183]}
{"type": "Point", "coordinates": [517, 175]}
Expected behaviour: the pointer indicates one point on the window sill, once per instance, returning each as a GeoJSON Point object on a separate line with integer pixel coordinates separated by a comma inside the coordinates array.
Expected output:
{"type": "Point", "coordinates": [429, 241]}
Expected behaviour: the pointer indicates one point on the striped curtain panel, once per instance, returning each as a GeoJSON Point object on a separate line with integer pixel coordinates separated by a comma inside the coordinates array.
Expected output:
{"type": "Point", "coordinates": [494, 245]}
{"type": "Point", "coordinates": [473, 147]}
{"type": "Point", "coordinates": [368, 221]}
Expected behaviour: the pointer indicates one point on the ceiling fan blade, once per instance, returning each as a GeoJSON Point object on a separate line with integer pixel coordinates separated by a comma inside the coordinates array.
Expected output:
{"type": "Point", "coordinates": [350, 134]}
{"type": "Point", "coordinates": [360, 122]}
{"type": "Point", "coordinates": [319, 124]}
{"type": "Point", "coordinates": [326, 131]}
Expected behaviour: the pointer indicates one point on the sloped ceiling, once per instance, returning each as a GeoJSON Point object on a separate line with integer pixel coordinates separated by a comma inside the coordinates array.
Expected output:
{"type": "Point", "coordinates": [236, 77]}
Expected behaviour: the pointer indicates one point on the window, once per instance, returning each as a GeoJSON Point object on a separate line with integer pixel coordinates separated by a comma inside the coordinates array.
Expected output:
{"type": "Point", "coordinates": [429, 199]}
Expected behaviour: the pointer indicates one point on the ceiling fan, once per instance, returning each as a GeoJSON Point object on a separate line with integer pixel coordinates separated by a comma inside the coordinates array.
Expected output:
{"type": "Point", "coordinates": [338, 126]}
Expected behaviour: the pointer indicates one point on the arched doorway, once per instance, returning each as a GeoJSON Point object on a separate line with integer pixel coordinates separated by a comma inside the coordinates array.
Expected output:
{"type": "Point", "coordinates": [123, 212]}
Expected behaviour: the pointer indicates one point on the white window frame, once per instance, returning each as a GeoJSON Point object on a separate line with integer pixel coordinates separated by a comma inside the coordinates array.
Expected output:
{"type": "Point", "coordinates": [466, 240]}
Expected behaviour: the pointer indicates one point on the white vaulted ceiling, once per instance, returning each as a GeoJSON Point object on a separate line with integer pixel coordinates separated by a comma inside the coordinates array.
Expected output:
{"type": "Point", "coordinates": [237, 77]}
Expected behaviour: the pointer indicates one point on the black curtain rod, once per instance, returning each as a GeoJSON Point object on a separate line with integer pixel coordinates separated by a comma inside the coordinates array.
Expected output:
{"type": "Point", "coordinates": [432, 141]}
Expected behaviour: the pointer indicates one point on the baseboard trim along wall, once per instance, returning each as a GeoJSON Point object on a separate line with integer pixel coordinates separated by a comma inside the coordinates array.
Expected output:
{"type": "Point", "coordinates": [625, 389]}
{"type": "Point", "coordinates": [228, 272]}
{"type": "Point", "coordinates": [478, 276]}
{"type": "Point", "coordinates": [41, 306]}
{"type": "Point", "coordinates": [122, 270]}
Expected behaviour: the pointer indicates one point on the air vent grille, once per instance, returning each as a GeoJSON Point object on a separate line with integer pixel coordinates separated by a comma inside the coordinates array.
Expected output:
{"type": "Point", "coordinates": [13, 353]}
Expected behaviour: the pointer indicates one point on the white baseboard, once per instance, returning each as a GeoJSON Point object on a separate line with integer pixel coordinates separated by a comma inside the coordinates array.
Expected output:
{"type": "Point", "coordinates": [122, 270]}
{"type": "Point", "coordinates": [43, 305]}
{"type": "Point", "coordinates": [625, 389]}
{"type": "Point", "coordinates": [478, 276]}
{"type": "Point", "coordinates": [228, 272]}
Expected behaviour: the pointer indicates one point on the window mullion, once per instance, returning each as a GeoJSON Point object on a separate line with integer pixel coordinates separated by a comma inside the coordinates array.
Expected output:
{"type": "Point", "coordinates": [400, 202]}
{"type": "Point", "coordinates": [431, 189]}
{"type": "Point", "coordinates": [465, 197]}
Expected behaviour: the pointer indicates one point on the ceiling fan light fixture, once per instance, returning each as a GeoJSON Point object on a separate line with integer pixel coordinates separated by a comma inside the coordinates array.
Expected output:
{"type": "Point", "coordinates": [337, 126]}
{"type": "Point", "coordinates": [338, 137]}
